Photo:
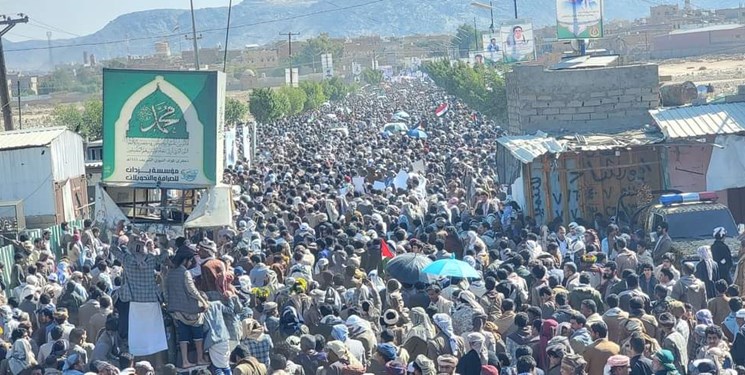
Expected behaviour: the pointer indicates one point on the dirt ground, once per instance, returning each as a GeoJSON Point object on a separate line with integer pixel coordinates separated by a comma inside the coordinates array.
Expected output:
{"type": "Point", "coordinates": [724, 72]}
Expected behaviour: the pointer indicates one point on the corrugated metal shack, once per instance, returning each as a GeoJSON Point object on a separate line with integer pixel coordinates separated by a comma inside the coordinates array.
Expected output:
{"type": "Point", "coordinates": [44, 168]}
{"type": "Point", "coordinates": [570, 177]}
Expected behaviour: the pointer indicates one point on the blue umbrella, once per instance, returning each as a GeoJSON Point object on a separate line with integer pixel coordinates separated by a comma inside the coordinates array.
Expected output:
{"type": "Point", "coordinates": [452, 268]}
{"type": "Point", "coordinates": [417, 133]}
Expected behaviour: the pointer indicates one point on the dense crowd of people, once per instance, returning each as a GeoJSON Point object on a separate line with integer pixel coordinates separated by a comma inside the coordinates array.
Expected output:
{"type": "Point", "coordinates": [299, 284]}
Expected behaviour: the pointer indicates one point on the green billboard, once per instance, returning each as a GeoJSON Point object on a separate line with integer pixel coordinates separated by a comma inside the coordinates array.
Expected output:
{"type": "Point", "coordinates": [163, 129]}
{"type": "Point", "coordinates": [579, 19]}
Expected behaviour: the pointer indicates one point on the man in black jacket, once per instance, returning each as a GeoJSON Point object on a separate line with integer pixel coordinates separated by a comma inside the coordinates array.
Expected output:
{"type": "Point", "coordinates": [640, 365]}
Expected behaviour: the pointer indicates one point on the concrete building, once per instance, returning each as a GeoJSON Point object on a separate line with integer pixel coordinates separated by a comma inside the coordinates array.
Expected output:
{"type": "Point", "coordinates": [731, 14]}
{"type": "Point", "coordinates": [581, 100]}
{"type": "Point", "coordinates": [579, 136]}
{"type": "Point", "coordinates": [162, 49]}
{"type": "Point", "coordinates": [261, 58]}
{"type": "Point", "coordinates": [29, 85]}
{"type": "Point", "coordinates": [705, 40]}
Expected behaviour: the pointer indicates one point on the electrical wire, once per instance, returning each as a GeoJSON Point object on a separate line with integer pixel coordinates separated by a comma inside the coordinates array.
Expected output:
{"type": "Point", "coordinates": [213, 30]}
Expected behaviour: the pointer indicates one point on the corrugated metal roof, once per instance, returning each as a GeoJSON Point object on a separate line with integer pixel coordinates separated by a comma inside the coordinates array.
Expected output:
{"type": "Point", "coordinates": [707, 29]}
{"type": "Point", "coordinates": [29, 138]}
{"type": "Point", "coordinates": [599, 142]}
{"type": "Point", "coordinates": [697, 121]}
{"type": "Point", "coordinates": [584, 62]}
{"type": "Point", "coordinates": [528, 147]}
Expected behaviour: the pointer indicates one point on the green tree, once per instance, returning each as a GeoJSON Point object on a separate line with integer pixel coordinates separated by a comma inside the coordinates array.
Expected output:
{"type": "Point", "coordinates": [235, 111]}
{"type": "Point", "coordinates": [466, 39]}
{"type": "Point", "coordinates": [296, 97]}
{"type": "Point", "coordinates": [309, 53]}
{"type": "Point", "coordinates": [480, 87]}
{"type": "Point", "coordinates": [372, 76]}
{"type": "Point", "coordinates": [263, 105]}
{"type": "Point", "coordinates": [68, 115]}
{"type": "Point", "coordinates": [87, 121]}
{"type": "Point", "coordinates": [282, 103]}
{"type": "Point", "coordinates": [93, 119]}
{"type": "Point", "coordinates": [314, 94]}
{"type": "Point", "coordinates": [335, 88]}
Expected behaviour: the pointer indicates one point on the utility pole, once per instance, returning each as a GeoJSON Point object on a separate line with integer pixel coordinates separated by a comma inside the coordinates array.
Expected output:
{"type": "Point", "coordinates": [196, 53]}
{"type": "Point", "coordinates": [18, 86]}
{"type": "Point", "coordinates": [227, 32]}
{"type": "Point", "coordinates": [9, 23]}
{"type": "Point", "coordinates": [194, 35]}
{"type": "Point", "coordinates": [49, 47]}
{"type": "Point", "coordinates": [475, 35]}
{"type": "Point", "coordinates": [289, 41]}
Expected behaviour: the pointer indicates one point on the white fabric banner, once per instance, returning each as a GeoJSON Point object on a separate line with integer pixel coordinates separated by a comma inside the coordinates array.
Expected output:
{"type": "Point", "coordinates": [727, 165]}
{"type": "Point", "coordinates": [230, 154]}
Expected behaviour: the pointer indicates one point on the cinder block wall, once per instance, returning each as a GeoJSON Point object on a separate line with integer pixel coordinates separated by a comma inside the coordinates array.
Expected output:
{"type": "Point", "coordinates": [581, 101]}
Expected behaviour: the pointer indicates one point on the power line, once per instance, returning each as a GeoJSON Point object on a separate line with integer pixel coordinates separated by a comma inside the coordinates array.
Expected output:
{"type": "Point", "coordinates": [220, 29]}
{"type": "Point", "coordinates": [53, 28]}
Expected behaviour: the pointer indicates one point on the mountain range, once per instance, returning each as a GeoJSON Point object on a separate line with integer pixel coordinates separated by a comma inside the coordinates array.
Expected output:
{"type": "Point", "coordinates": [262, 21]}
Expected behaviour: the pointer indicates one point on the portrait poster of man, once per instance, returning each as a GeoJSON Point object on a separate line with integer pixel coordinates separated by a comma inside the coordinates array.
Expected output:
{"type": "Point", "coordinates": [517, 41]}
{"type": "Point", "coordinates": [492, 50]}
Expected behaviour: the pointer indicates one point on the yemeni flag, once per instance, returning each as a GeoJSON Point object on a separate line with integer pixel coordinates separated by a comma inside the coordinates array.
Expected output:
{"type": "Point", "coordinates": [441, 109]}
{"type": "Point", "coordinates": [385, 251]}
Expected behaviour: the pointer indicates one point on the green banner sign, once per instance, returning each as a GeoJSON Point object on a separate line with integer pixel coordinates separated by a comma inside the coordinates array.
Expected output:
{"type": "Point", "coordinates": [163, 128]}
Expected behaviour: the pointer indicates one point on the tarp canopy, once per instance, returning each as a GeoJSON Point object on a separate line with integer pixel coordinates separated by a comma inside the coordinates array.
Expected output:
{"type": "Point", "coordinates": [215, 209]}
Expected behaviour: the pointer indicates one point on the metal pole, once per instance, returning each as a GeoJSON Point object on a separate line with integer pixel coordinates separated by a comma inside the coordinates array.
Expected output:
{"type": "Point", "coordinates": [475, 35]}
{"type": "Point", "coordinates": [194, 34]}
{"type": "Point", "coordinates": [4, 92]}
{"type": "Point", "coordinates": [515, 1]}
{"type": "Point", "coordinates": [18, 86]}
{"type": "Point", "coordinates": [227, 32]}
{"type": "Point", "coordinates": [491, 11]}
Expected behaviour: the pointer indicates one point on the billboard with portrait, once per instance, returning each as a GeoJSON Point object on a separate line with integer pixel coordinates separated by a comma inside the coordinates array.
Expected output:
{"type": "Point", "coordinates": [492, 48]}
{"type": "Point", "coordinates": [579, 19]}
{"type": "Point", "coordinates": [517, 41]}
{"type": "Point", "coordinates": [476, 58]}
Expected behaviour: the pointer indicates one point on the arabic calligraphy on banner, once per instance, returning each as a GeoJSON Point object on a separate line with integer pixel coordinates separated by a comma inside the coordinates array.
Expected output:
{"type": "Point", "coordinates": [163, 129]}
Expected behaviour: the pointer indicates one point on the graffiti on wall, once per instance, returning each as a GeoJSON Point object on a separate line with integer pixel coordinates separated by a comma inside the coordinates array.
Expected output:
{"type": "Point", "coordinates": [583, 185]}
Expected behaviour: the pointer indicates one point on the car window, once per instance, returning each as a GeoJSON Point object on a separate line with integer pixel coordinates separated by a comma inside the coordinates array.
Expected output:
{"type": "Point", "coordinates": [699, 223]}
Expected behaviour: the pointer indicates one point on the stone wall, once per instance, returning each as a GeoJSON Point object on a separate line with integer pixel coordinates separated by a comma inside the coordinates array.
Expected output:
{"type": "Point", "coordinates": [596, 100]}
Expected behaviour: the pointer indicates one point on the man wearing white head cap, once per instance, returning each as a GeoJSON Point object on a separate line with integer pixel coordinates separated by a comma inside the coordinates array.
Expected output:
{"type": "Point", "coordinates": [722, 254]}
{"type": "Point", "coordinates": [617, 365]}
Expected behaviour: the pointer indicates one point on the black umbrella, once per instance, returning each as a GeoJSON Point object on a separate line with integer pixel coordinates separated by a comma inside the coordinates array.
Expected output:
{"type": "Point", "coordinates": [407, 268]}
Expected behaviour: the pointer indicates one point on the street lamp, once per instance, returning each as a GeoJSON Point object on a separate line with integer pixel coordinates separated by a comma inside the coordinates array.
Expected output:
{"type": "Point", "coordinates": [491, 11]}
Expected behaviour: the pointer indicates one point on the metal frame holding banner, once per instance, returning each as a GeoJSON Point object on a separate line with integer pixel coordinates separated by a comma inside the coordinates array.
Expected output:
{"type": "Point", "coordinates": [295, 77]}
{"type": "Point", "coordinates": [163, 129]}
{"type": "Point", "coordinates": [579, 19]}
{"type": "Point", "coordinates": [518, 42]}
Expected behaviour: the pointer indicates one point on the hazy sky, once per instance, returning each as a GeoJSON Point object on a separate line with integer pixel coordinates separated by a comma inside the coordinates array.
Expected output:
{"type": "Point", "coordinates": [67, 17]}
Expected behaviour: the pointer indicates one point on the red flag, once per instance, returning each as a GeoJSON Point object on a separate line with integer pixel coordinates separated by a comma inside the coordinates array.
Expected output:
{"type": "Point", "coordinates": [385, 252]}
{"type": "Point", "coordinates": [441, 109]}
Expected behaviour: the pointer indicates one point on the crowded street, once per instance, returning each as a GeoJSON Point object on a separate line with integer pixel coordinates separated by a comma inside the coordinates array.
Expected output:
{"type": "Point", "coordinates": [374, 236]}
